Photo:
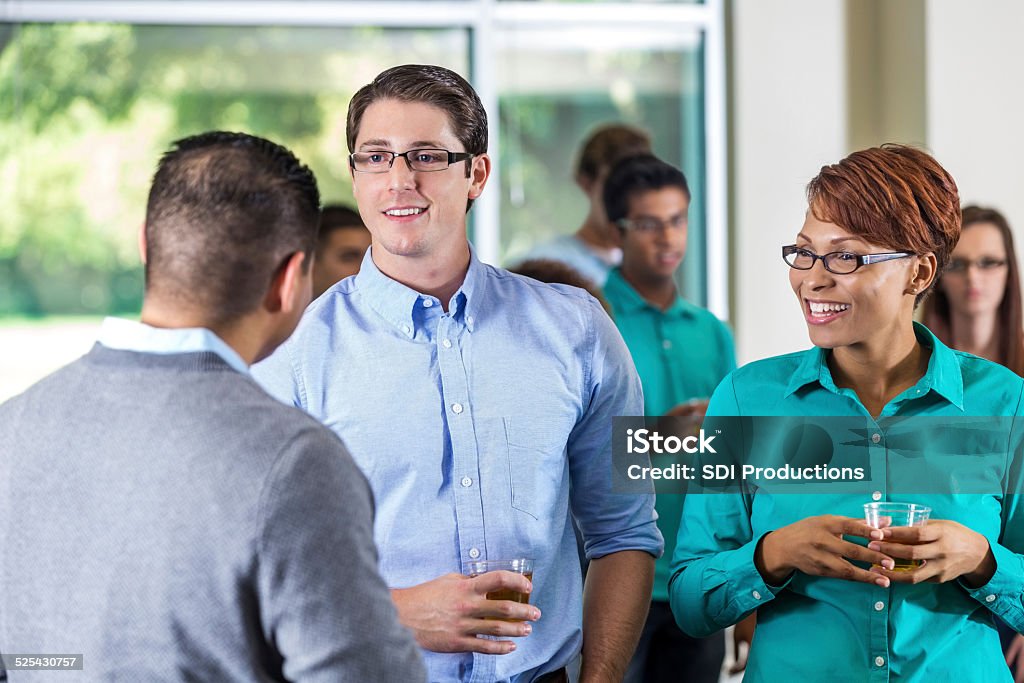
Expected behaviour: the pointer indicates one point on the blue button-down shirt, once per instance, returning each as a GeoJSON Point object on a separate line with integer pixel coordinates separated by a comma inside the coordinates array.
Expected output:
{"type": "Point", "coordinates": [470, 425]}
{"type": "Point", "coordinates": [818, 628]}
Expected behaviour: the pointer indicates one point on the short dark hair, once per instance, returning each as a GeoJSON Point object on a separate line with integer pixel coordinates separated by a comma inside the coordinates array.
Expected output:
{"type": "Point", "coordinates": [434, 85]}
{"type": "Point", "coordinates": [638, 174]}
{"type": "Point", "coordinates": [225, 211]}
{"type": "Point", "coordinates": [609, 144]}
{"type": "Point", "coordinates": [336, 216]}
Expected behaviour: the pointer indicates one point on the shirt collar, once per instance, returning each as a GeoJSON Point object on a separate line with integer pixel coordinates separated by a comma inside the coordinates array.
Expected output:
{"type": "Point", "coordinates": [943, 375]}
{"type": "Point", "coordinates": [398, 303]}
{"type": "Point", "coordinates": [129, 335]}
{"type": "Point", "coordinates": [625, 299]}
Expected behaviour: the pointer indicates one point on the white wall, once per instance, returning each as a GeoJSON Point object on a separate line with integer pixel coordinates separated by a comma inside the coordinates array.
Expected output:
{"type": "Point", "coordinates": [788, 104]}
{"type": "Point", "coordinates": [975, 95]}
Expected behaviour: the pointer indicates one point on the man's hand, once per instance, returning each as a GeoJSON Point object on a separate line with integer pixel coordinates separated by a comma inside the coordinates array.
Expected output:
{"type": "Point", "coordinates": [742, 634]}
{"type": "Point", "coordinates": [815, 546]}
{"type": "Point", "coordinates": [448, 613]}
{"type": "Point", "coordinates": [946, 549]}
{"type": "Point", "coordinates": [695, 409]}
{"type": "Point", "coordinates": [1015, 658]}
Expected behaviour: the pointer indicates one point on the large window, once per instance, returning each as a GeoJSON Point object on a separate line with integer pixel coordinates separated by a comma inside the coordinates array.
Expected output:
{"type": "Point", "coordinates": [92, 92]}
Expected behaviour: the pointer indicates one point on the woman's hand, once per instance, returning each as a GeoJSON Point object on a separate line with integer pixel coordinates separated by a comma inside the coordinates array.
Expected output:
{"type": "Point", "coordinates": [946, 550]}
{"type": "Point", "coordinates": [815, 546]}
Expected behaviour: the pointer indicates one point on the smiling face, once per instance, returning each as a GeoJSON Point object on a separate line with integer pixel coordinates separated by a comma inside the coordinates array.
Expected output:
{"type": "Point", "coordinates": [655, 254]}
{"type": "Point", "coordinates": [976, 291]}
{"type": "Point", "coordinates": [873, 304]}
{"type": "Point", "coordinates": [414, 215]}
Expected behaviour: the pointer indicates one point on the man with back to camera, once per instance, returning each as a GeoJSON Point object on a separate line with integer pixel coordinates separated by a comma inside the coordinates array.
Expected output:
{"type": "Point", "coordinates": [471, 398]}
{"type": "Point", "coordinates": [681, 352]}
{"type": "Point", "coordinates": [340, 246]}
{"type": "Point", "coordinates": [161, 516]}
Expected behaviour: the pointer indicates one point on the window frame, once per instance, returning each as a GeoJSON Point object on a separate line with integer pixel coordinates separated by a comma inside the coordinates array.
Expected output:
{"type": "Point", "coordinates": [483, 19]}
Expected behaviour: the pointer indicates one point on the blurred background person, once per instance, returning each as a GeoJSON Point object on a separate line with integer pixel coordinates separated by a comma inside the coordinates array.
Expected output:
{"type": "Point", "coordinates": [976, 306]}
{"type": "Point", "coordinates": [681, 352]}
{"type": "Point", "coordinates": [593, 250]}
{"type": "Point", "coordinates": [340, 246]}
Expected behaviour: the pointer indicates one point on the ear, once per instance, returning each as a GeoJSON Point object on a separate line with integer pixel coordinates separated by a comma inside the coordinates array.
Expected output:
{"type": "Point", "coordinates": [142, 243]}
{"type": "Point", "coordinates": [617, 235]}
{"type": "Point", "coordinates": [478, 175]}
{"type": "Point", "coordinates": [924, 274]}
{"type": "Point", "coordinates": [290, 287]}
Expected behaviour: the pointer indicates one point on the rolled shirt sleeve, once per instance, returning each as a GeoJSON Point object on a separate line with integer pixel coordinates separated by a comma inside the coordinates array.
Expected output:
{"type": "Point", "coordinates": [610, 522]}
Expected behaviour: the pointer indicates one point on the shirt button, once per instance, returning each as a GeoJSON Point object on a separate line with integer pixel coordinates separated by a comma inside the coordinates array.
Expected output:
{"type": "Point", "coordinates": [879, 606]}
{"type": "Point", "coordinates": [666, 344]}
{"type": "Point", "coordinates": [407, 329]}
{"type": "Point", "coordinates": [474, 553]}
{"type": "Point", "coordinates": [447, 343]}
{"type": "Point", "coordinates": [756, 594]}
{"type": "Point", "coordinates": [467, 482]}
{"type": "Point", "coordinates": [990, 598]}
{"type": "Point", "coordinates": [879, 661]}
{"type": "Point", "coordinates": [469, 319]}
{"type": "Point", "coordinates": [456, 408]}
{"type": "Point", "coordinates": [427, 303]}
{"type": "Point", "coordinates": [877, 495]}
{"type": "Point", "coordinates": [875, 438]}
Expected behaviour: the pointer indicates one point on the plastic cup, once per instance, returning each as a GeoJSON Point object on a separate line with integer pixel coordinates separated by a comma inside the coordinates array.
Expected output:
{"type": "Point", "coordinates": [519, 565]}
{"type": "Point", "coordinates": [883, 515]}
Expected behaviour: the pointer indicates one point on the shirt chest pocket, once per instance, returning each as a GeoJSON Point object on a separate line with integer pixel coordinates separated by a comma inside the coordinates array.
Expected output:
{"type": "Point", "coordinates": [536, 466]}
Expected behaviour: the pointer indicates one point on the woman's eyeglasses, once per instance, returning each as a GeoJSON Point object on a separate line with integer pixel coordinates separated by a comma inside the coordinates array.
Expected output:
{"type": "Point", "coordinates": [986, 264]}
{"type": "Point", "coordinates": [837, 262]}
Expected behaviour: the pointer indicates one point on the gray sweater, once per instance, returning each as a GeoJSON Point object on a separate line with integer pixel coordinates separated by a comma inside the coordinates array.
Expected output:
{"type": "Point", "coordinates": [169, 521]}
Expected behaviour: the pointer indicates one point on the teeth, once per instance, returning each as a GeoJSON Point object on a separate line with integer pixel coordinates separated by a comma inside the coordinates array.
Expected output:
{"type": "Point", "coordinates": [819, 309]}
{"type": "Point", "coordinates": [404, 212]}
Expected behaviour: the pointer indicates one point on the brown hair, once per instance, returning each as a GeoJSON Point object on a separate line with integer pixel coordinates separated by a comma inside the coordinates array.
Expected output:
{"type": "Point", "coordinates": [895, 196]}
{"type": "Point", "coordinates": [336, 217]}
{"type": "Point", "coordinates": [609, 144]}
{"type": "Point", "coordinates": [556, 272]}
{"type": "Point", "coordinates": [433, 85]}
{"type": "Point", "coordinates": [1010, 321]}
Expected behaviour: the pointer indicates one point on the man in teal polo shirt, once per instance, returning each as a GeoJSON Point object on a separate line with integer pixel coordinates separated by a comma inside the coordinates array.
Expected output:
{"type": "Point", "coordinates": [681, 352]}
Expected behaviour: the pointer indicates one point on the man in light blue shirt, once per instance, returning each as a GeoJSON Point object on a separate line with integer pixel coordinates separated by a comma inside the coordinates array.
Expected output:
{"type": "Point", "coordinates": [478, 403]}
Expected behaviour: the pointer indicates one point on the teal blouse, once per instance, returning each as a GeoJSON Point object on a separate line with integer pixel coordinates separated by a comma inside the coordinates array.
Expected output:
{"type": "Point", "coordinates": [814, 626]}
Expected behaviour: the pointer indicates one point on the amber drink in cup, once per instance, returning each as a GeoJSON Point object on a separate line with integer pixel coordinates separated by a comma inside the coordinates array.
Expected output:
{"type": "Point", "coordinates": [519, 565]}
{"type": "Point", "coordinates": [882, 515]}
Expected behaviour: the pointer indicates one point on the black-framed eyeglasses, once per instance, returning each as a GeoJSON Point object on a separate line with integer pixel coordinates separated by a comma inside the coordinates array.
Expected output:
{"type": "Point", "coordinates": [652, 224]}
{"type": "Point", "coordinates": [424, 160]}
{"type": "Point", "coordinates": [986, 264]}
{"type": "Point", "coordinates": [838, 262]}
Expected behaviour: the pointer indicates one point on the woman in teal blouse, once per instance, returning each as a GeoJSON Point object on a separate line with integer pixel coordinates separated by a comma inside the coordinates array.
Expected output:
{"type": "Point", "coordinates": [880, 226]}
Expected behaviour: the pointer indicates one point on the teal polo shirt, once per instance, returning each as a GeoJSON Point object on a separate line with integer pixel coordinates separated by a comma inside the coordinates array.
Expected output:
{"type": "Point", "coordinates": [680, 354]}
{"type": "Point", "coordinates": [813, 628]}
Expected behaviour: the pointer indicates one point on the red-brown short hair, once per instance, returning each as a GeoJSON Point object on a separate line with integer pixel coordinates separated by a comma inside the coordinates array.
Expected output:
{"type": "Point", "coordinates": [895, 196]}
